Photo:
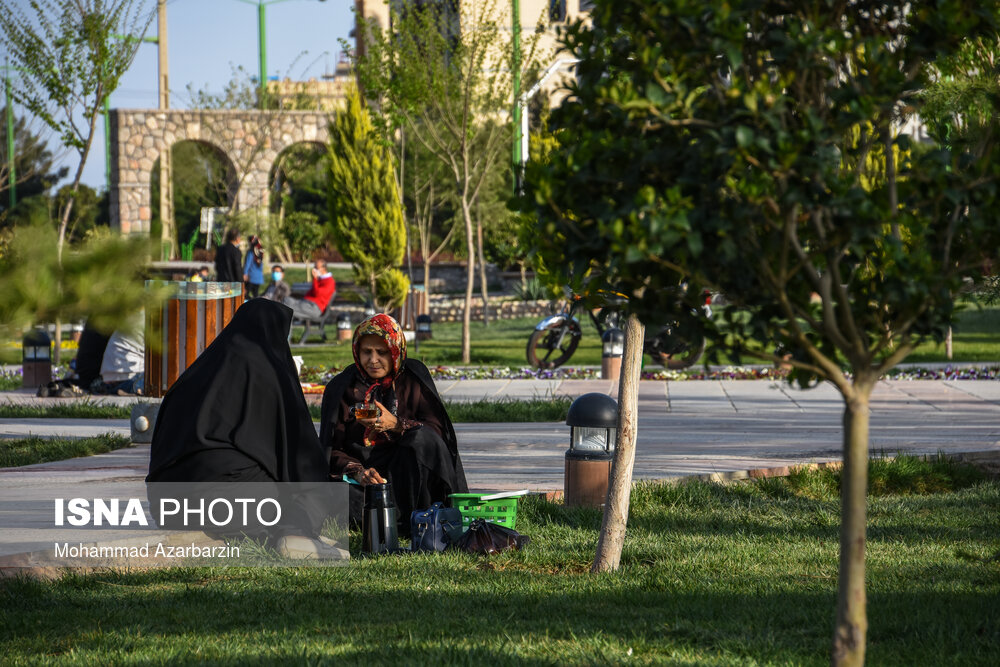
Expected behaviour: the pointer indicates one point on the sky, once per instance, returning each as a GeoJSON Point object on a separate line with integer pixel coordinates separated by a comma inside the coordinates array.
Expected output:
{"type": "Point", "coordinates": [208, 38]}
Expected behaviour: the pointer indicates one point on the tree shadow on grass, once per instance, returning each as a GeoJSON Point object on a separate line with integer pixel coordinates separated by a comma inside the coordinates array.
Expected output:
{"type": "Point", "coordinates": [468, 616]}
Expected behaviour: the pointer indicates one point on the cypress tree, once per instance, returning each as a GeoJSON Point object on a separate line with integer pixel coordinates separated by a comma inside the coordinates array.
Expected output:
{"type": "Point", "coordinates": [366, 216]}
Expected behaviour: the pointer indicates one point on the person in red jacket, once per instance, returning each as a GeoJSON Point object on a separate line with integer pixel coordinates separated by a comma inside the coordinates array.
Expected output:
{"type": "Point", "coordinates": [312, 305]}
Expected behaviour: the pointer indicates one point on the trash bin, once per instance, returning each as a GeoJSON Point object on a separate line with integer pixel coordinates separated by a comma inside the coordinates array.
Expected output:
{"type": "Point", "coordinates": [36, 359]}
{"type": "Point", "coordinates": [186, 323]}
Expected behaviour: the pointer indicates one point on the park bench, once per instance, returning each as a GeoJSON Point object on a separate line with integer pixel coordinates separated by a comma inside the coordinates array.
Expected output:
{"type": "Point", "coordinates": [299, 290]}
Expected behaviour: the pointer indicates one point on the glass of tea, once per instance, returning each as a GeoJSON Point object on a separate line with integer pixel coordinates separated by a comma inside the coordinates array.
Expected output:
{"type": "Point", "coordinates": [365, 411]}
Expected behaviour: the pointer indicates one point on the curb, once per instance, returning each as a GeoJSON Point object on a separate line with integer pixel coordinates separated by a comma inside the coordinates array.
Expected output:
{"type": "Point", "coordinates": [986, 460]}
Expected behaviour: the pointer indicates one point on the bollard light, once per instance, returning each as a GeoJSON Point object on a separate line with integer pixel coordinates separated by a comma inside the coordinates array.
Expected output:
{"type": "Point", "coordinates": [36, 359]}
{"type": "Point", "coordinates": [142, 421]}
{"type": "Point", "coordinates": [344, 328]}
{"type": "Point", "coordinates": [593, 434]}
{"type": "Point", "coordinates": [612, 347]}
{"type": "Point", "coordinates": [423, 327]}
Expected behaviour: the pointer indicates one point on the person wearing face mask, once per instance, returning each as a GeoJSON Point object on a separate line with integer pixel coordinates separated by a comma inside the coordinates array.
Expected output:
{"type": "Point", "coordinates": [278, 290]}
{"type": "Point", "coordinates": [410, 443]}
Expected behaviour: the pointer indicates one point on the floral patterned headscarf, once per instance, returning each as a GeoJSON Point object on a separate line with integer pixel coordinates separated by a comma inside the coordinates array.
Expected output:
{"type": "Point", "coordinates": [387, 329]}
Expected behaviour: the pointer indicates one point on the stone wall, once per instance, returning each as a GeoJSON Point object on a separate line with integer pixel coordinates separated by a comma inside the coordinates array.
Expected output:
{"type": "Point", "coordinates": [449, 309]}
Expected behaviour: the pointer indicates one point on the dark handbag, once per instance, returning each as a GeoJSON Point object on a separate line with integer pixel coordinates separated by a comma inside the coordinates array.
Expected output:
{"type": "Point", "coordinates": [485, 538]}
{"type": "Point", "coordinates": [435, 528]}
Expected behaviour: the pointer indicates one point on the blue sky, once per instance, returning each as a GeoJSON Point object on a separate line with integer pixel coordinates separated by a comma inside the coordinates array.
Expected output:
{"type": "Point", "coordinates": [207, 38]}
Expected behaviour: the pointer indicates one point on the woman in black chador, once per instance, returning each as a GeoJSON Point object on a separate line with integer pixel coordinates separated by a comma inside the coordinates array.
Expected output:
{"type": "Point", "coordinates": [237, 414]}
{"type": "Point", "coordinates": [411, 442]}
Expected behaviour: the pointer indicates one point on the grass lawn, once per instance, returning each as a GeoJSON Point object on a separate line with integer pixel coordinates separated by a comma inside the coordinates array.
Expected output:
{"type": "Point", "coordinates": [502, 343]}
{"type": "Point", "coordinates": [743, 574]}
{"type": "Point", "coordinates": [25, 451]}
{"type": "Point", "coordinates": [481, 411]}
{"type": "Point", "coordinates": [976, 337]}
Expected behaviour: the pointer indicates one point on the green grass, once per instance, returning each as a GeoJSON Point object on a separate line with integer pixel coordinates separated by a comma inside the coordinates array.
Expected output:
{"type": "Point", "coordinates": [504, 410]}
{"type": "Point", "coordinates": [509, 410]}
{"type": "Point", "coordinates": [10, 380]}
{"type": "Point", "coordinates": [742, 574]}
{"type": "Point", "coordinates": [486, 411]}
{"type": "Point", "coordinates": [26, 451]}
{"type": "Point", "coordinates": [975, 337]}
{"type": "Point", "coordinates": [502, 343]}
{"type": "Point", "coordinates": [482, 411]}
{"type": "Point", "coordinates": [80, 410]}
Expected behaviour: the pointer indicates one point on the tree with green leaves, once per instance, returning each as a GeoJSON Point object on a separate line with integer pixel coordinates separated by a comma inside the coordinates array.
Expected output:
{"type": "Point", "coordinates": [70, 55]}
{"type": "Point", "coordinates": [366, 216]}
{"type": "Point", "coordinates": [427, 200]}
{"type": "Point", "coordinates": [752, 148]}
{"type": "Point", "coordinates": [100, 280]}
{"type": "Point", "coordinates": [443, 73]}
{"type": "Point", "coordinates": [34, 164]}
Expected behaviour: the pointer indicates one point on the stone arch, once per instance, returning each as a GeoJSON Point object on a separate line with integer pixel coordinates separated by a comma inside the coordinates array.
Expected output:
{"type": "Point", "coordinates": [272, 172]}
{"type": "Point", "coordinates": [227, 182]}
{"type": "Point", "coordinates": [251, 140]}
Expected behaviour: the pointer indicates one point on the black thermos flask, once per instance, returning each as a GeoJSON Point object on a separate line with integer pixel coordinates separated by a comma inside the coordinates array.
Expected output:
{"type": "Point", "coordinates": [378, 530]}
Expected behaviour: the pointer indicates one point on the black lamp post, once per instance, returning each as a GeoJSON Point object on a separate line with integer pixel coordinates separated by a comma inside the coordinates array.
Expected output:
{"type": "Point", "coordinates": [612, 347]}
{"type": "Point", "coordinates": [36, 359]}
{"type": "Point", "coordinates": [593, 422]}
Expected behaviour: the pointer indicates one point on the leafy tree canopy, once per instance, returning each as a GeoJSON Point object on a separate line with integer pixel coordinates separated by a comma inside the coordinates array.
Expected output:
{"type": "Point", "coordinates": [752, 147]}
{"type": "Point", "coordinates": [34, 164]}
{"type": "Point", "coordinates": [740, 147]}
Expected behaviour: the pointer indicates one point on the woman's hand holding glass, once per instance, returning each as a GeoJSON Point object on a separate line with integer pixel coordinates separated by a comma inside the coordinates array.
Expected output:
{"type": "Point", "coordinates": [383, 420]}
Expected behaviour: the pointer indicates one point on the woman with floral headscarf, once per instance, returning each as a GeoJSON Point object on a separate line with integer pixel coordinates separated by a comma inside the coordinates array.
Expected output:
{"type": "Point", "coordinates": [410, 443]}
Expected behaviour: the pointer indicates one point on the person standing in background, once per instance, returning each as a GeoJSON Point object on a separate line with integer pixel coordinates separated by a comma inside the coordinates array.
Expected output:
{"type": "Point", "coordinates": [253, 267]}
{"type": "Point", "coordinates": [227, 259]}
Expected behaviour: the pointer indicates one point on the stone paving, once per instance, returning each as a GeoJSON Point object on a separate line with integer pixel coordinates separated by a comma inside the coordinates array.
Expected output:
{"type": "Point", "coordinates": [720, 430]}
{"type": "Point", "coordinates": [724, 427]}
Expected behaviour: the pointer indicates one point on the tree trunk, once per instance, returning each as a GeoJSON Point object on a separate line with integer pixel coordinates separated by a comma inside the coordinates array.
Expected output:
{"type": "Point", "coordinates": [427, 280]}
{"type": "Point", "coordinates": [482, 272]}
{"type": "Point", "coordinates": [948, 349]}
{"type": "Point", "coordinates": [852, 624]}
{"type": "Point", "coordinates": [612, 537]}
{"type": "Point", "coordinates": [372, 294]}
{"type": "Point", "coordinates": [470, 281]}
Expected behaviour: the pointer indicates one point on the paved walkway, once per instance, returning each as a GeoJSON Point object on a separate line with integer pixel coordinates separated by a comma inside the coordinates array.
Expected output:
{"type": "Point", "coordinates": [685, 428]}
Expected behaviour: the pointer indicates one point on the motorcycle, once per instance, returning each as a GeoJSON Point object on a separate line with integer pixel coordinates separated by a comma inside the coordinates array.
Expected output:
{"type": "Point", "coordinates": [557, 336]}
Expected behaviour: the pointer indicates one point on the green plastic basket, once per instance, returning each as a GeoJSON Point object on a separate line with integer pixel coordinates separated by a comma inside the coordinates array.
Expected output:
{"type": "Point", "coordinates": [502, 511]}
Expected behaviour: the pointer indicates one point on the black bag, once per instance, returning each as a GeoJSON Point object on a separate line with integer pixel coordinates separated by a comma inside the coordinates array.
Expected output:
{"type": "Point", "coordinates": [485, 538]}
{"type": "Point", "coordinates": [435, 528]}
